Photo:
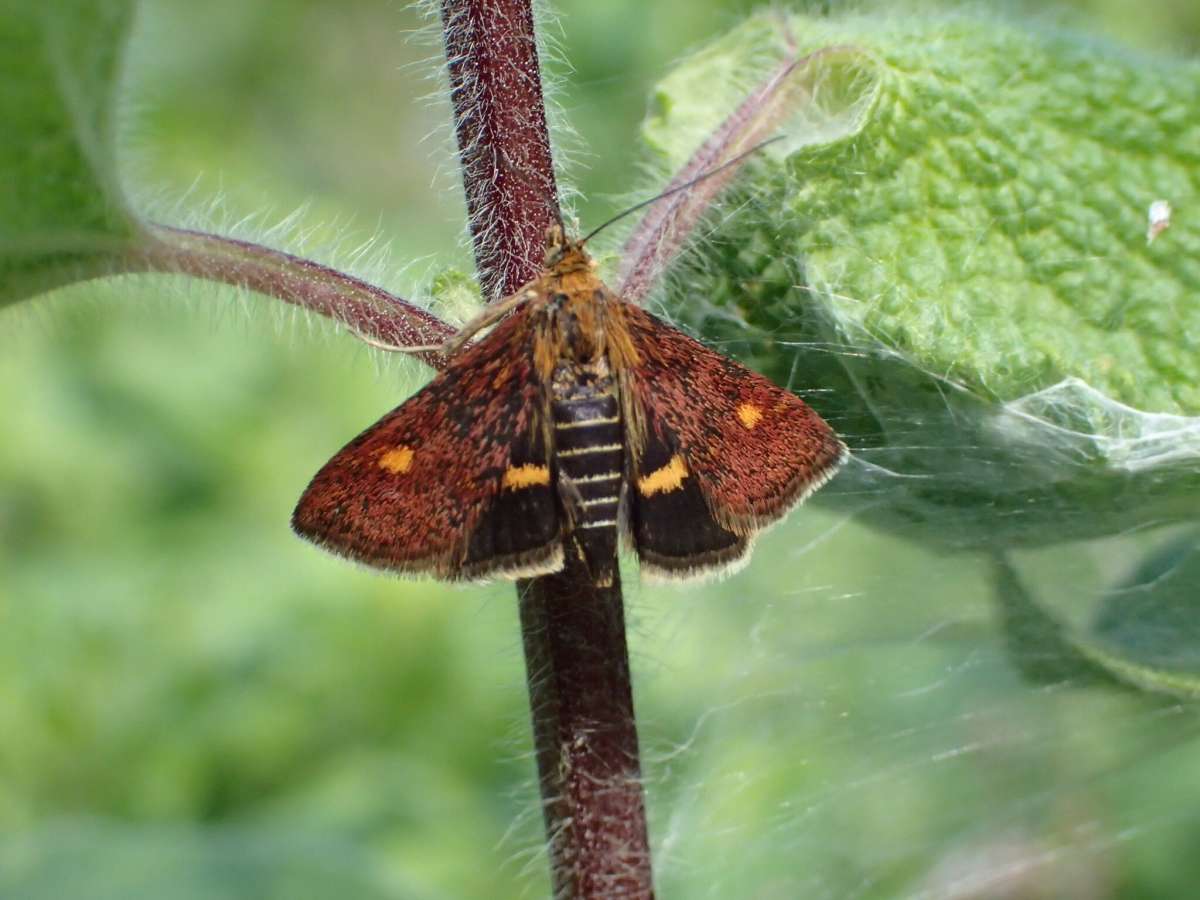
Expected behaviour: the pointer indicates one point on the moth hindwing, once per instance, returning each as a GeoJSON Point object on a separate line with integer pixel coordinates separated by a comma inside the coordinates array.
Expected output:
{"type": "Point", "coordinates": [579, 417]}
{"type": "Point", "coordinates": [718, 452]}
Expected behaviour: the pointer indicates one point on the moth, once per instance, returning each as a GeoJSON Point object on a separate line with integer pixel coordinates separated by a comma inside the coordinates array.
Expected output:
{"type": "Point", "coordinates": [579, 420]}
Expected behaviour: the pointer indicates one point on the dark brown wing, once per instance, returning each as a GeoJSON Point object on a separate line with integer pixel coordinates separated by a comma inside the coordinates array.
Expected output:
{"type": "Point", "coordinates": [718, 451]}
{"type": "Point", "coordinates": [456, 482]}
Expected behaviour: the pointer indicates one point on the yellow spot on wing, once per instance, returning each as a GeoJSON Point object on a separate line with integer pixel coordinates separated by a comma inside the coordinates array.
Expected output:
{"type": "Point", "coordinates": [664, 480]}
{"type": "Point", "coordinates": [398, 460]}
{"type": "Point", "coordinates": [749, 415]}
{"type": "Point", "coordinates": [528, 475]}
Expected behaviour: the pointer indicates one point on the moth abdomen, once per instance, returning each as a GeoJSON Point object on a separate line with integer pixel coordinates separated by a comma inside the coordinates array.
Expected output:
{"type": "Point", "coordinates": [589, 450]}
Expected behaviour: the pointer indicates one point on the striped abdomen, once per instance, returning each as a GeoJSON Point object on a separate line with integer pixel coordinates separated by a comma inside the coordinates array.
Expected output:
{"type": "Point", "coordinates": [590, 453]}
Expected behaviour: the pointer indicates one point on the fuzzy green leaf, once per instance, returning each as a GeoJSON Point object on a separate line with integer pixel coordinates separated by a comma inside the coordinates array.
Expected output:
{"type": "Point", "coordinates": [62, 216]}
{"type": "Point", "coordinates": [953, 259]}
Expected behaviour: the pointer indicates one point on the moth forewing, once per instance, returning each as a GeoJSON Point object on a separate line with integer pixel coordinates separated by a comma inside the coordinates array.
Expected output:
{"type": "Point", "coordinates": [455, 481]}
{"type": "Point", "coordinates": [719, 452]}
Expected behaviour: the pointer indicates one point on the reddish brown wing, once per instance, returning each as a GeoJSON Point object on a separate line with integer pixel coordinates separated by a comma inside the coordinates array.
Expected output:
{"type": "Point", "coordinates": [456, 481]}
{"type": "Point", "coordinates": [749, 449]}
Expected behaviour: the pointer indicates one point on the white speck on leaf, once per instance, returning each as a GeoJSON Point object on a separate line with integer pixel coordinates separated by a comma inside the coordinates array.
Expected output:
{"type": "Point", "coordinates": [1159, 219]}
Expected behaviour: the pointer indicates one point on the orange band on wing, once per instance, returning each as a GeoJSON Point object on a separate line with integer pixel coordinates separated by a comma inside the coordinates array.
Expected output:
{"type": "Point", "coordinates": [668, 478]}
{"type": "Point", "coordinates": [528, 475]}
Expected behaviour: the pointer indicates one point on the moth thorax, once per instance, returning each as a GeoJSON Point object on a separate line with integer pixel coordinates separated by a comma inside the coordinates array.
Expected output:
{"type": "Point", "coordinates": [580, 337]}
{"type": "Point", "coordinates": [575, 380]}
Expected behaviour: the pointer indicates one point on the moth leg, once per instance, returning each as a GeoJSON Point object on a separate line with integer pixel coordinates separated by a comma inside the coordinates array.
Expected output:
{"type": "Point", "coordinates": [623, 507]}
{"type": "Point", "coordinates": [572, 499]}
{"type": "Point", "coordinates": [490, 315]}
{"type": "Point", "coordinates": [572, 504]}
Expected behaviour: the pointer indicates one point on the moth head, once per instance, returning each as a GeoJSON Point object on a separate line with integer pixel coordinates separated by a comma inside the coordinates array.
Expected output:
{"type": "Point", "coordinates": [564, 254]}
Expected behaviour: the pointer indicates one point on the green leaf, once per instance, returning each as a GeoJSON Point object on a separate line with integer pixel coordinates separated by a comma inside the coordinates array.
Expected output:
{"type": "Point", "coordinates": [1144, 635]}
{"type": "Point", "coordinates": [1147, 628]}
{"type": "Point", "coordinates": [953, 260]}
{"type": "Point", "coordinates": [1041, 648]}
{"type": "Point", "coordinates": [62, 216]}
{"type": "Point", "coordinates": [456, 295]}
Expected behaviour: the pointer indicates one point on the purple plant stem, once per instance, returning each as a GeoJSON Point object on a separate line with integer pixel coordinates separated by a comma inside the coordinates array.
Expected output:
{"type": "Point", "coordinates": [585, 736]}
{"type": "Point", "coordinates": [371, 313]}
{"type": "Point", "coordinates": [503, 143]}
{"type": "Point", "coordinates": [577, 661]}
{"type": "Point", "coordinates": [668, 225]}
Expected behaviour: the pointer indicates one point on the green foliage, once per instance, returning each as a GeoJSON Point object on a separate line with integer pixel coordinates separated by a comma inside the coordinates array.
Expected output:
{"type": "Point", "coordinates": [101, 862]}
{"type": "Point", "coordinates": [189, 678]}
{"type": "Point", "coordinates": [61, 213]}
{"type": "Point", "coordinates": [201, 706]}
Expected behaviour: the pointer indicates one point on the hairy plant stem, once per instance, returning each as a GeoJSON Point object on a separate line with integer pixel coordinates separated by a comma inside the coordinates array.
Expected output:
{"type": "Point", "coordinates": [371, 313]}
{"type": "Point", "coordinates": [577, 662]}
{"type": "Point", "coordinates": [503, 143]}
{"type": "Point", "coordinates": [667, 226]}
{"type": "Point", "coordinates": [585, 735]}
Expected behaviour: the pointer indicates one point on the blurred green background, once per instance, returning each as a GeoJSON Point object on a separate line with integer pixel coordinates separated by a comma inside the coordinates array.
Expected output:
{"type": "Point", "coordinates": [195, 704]}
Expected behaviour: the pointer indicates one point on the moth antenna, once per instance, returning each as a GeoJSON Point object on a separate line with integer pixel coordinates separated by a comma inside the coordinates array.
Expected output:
{"type": "Point", "coordinates": [681, 187]}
